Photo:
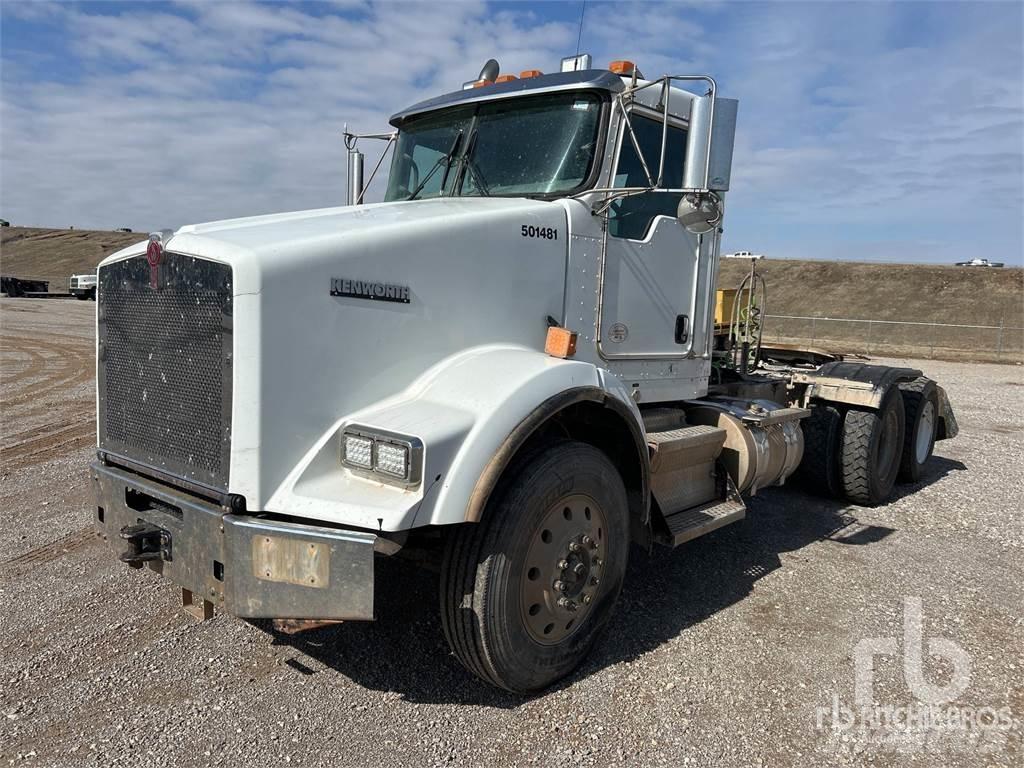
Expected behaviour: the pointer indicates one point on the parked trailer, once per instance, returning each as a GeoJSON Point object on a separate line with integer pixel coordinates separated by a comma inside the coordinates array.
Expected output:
{"type": "Point", "coordinates": [510, 366]}
{"type": "Point", "coordinates": [19, 286]}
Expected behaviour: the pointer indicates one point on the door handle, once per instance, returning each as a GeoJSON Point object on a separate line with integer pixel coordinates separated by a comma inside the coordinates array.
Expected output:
{"type": "Point", "coordinates": [682, 329]}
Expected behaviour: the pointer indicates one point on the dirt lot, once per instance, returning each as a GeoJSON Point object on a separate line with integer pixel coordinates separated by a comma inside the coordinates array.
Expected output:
{"type": "Point", "coordinates": [736, 649]}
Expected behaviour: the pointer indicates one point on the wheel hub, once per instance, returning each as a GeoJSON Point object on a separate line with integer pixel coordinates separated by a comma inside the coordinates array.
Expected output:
{"type": "Point", "coordinates": [563, 569]}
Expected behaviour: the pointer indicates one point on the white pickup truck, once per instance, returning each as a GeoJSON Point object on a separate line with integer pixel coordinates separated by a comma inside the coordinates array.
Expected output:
{"type": "Point", "coordinates": [510, 366]}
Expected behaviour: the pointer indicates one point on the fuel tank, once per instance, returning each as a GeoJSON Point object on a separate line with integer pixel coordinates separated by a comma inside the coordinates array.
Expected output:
{"type": "Point", "coordinates": [764, 442]}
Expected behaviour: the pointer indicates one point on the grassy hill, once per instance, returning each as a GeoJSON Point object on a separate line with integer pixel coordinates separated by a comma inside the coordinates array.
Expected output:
{"type": "Point", "coordinates": [931, 295]}
{"type": "Point", "coordinates": [921, 301]}
{"type": "Point", "coordinates": [55, 254]}
{"type": "Point", "coordinates": [921, 292]}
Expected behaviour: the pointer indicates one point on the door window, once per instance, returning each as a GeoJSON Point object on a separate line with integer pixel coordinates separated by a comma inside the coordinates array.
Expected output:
{"type": "Point", "coordinates": [631, 217]}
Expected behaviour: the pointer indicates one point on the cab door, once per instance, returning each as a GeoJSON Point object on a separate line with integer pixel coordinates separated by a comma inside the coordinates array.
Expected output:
{"type": "Point", "coordinates": [652, 264]}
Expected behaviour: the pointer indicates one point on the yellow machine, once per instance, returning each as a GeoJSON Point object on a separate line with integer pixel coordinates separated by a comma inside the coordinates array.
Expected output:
{"type": "Point", "coordinates": [725, 300]}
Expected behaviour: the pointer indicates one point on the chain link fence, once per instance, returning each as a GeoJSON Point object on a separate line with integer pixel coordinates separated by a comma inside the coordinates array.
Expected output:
{"type": "Point", "coordinates": [1003, 343]}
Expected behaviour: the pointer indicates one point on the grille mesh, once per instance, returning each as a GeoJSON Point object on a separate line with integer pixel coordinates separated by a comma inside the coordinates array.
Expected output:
{"type": "Point", "coordinates": [165, 365]}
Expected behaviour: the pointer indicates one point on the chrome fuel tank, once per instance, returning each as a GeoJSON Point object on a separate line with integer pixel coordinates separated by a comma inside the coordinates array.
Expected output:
{"type": "Point", "coordinates": [764, 443]}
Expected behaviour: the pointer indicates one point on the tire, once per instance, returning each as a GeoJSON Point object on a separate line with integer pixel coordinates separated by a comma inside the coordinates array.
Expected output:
{"type": "Point", "coordinates": [921, 403]}
{"type": "Point", "coordinates": [81, 296]}
{"type": "Point", "coordinates": [500, 578]}
{"type": "Point", "coordinates": [819, 467]}
{"type": "Point", "coordinates": [872, 444]}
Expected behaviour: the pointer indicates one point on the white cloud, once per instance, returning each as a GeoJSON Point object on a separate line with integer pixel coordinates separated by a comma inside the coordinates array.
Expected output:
{"type": "Point", "coordinates": [856, 124]}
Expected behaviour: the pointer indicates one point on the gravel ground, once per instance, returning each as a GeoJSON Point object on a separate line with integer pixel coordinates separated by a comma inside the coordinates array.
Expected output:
{"type": "Point", "coordinates": [731, 650]}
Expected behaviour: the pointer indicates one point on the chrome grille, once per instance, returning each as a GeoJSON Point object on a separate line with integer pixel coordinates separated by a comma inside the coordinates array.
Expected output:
{"type": "Point", "coordinates": [164, 372]}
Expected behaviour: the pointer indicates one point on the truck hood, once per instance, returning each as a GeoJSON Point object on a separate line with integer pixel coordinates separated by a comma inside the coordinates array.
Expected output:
{"type": "Point", "coordinates": [474, 271]}
{"type": "Point", "coordinates": [276, 237]}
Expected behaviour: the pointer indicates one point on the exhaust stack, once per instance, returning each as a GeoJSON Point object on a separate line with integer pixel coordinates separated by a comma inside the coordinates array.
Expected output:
{"type": "Point", "coordinates": [355, 177]}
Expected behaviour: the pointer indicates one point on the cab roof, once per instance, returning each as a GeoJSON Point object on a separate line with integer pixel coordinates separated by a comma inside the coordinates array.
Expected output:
{"type": "Point", "coordinates": [600, 79]}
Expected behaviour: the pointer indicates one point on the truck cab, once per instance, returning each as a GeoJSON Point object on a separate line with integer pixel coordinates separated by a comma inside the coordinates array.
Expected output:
{"type": "Point", "coordinates": [83, 287]}
{"type": "Point", "coordinates": [510, 365]}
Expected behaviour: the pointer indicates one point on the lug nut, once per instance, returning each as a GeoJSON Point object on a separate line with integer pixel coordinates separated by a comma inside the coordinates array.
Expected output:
{"type": "Point", "coordinates": [597, 562]}
{"type": "Point", "coordinates": [594, 580]}
{"type": "Point", "coordinates": [560, 586]}
{"type": "Point", "coordinates": [588, 542]}
{"type": "Point", "coordinates": [563, 565]}
{"type": "Point", "coordinates": [574, 547]}
{"type": "Point", "coordinates": [580, 569]}
{"type": "Point", "coordinates": [566, 603]}
{"type": "Point", "coordinates": [587, 599]}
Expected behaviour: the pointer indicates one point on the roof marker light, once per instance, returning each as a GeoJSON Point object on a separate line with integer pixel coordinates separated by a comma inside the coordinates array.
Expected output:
{"type": "Point", "coordinates": [622, 67]}
{"type": "Point", "coordinates": [505, 78]}
{"type": "Point", "coordinates": [530, 73]}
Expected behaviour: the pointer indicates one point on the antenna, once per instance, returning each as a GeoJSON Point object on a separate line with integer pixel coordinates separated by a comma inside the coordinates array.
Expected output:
{"type": "Point", "coordinates": [579, 36]}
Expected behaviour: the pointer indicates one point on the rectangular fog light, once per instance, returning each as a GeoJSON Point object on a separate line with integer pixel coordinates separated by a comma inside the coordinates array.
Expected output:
{"type": "Point", "coordinates": [392, 460]}
{"type": "Point", "coordinates": [357, 451]}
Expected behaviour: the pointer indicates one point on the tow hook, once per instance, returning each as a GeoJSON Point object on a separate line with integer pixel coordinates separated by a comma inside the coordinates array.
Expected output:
{"type": "Point", "coordinates": [145, 542]}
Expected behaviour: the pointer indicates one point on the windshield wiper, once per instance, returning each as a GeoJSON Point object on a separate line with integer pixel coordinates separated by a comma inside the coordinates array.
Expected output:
{"type": "Point", "coordinates": [472, 167]}
{"type": "Point", "coordinates": [445, 160]}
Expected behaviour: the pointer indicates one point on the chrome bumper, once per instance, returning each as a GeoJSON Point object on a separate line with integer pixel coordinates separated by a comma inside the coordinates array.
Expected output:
{"type": "Point", "coordinates": [248, 566]}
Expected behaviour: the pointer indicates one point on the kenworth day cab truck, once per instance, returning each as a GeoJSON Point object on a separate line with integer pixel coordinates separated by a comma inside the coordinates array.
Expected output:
{"type": "Point", "coordinates": [511, 365]}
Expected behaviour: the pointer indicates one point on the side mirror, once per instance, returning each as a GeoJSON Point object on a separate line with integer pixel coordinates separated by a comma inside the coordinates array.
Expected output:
{"type": "Point", "coordinates": [709, 143]}
{"type": "Point", "coordinates": [699, 213]}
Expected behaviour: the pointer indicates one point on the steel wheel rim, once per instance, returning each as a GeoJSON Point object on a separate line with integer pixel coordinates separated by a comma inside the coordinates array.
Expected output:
{"type": "Point", "coordinates": [562, 573]}
{"type": "Point", "coordinates": [925, 431]}
{"type": "Point", "coordinates": [887, 442]}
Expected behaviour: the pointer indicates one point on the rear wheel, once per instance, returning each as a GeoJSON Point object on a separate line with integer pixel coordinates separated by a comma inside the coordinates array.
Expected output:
{"type": "Point", "coordinates": [819, 467]}
{"type": "Point", "coordinates": [921, 404]}
{"type": "Point", "coordinates": [872, 444]}
{"type": "Point", "coordinates": [525, 592]}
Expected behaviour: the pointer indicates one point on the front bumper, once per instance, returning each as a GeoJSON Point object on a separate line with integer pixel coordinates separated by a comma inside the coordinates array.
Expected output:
{"type": "Point", "coordinates": [248, 566]}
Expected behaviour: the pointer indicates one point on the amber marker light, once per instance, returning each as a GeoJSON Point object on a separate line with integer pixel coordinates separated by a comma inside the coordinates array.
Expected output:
{"type": "Point", "coordinates": [622, 67]}
{"type": "Point", "coordinates": [561, 342]}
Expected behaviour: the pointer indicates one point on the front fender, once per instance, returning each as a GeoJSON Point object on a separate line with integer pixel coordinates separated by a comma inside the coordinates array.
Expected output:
{"type": "Point", "coordinates": [463, 410]}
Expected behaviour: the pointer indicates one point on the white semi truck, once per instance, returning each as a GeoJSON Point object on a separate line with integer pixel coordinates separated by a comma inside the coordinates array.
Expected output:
{"type": "Point", "coordinates": [83, 286]}
{"type": "Point", "coordinates": [511, 366]}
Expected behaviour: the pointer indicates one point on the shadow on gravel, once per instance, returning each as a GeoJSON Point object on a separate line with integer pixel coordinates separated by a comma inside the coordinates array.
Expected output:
{"type": "Point", "coordinates": [665, 593]}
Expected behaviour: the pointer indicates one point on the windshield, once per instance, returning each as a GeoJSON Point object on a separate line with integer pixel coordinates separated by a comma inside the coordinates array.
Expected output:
{"type": "Point", "coordinates": [538, 145]}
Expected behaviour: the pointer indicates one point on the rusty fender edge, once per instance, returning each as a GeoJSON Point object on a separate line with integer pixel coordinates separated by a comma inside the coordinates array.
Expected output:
{"type": "Point", "coordinates": [249, 566]}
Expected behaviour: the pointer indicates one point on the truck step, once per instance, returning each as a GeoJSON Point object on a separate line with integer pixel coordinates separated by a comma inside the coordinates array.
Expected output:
{"type": "Point", "coordinates": [691, 523]}
{"type": "Point", "coordinates": [683, 466]}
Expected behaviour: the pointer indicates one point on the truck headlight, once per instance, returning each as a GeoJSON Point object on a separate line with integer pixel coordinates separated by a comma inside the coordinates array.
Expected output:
{"type": "Point", "coordinates": [387, 456]}
{"type": "Point", "coordinates": [357, 451]}
{"type": "Point", "coordinates": [392, 459]}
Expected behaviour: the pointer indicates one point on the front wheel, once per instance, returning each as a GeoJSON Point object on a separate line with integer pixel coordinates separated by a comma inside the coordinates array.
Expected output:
{"type": "Point", "coordinates": [526, 592]}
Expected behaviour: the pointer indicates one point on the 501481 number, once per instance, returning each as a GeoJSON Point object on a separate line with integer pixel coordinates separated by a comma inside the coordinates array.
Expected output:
{"type": "Point", "coordinates": [548, 233]}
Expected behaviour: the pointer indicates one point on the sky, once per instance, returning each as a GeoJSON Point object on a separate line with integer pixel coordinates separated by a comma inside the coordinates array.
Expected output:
{"type": "Point", "coordinates": [868, 131]}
